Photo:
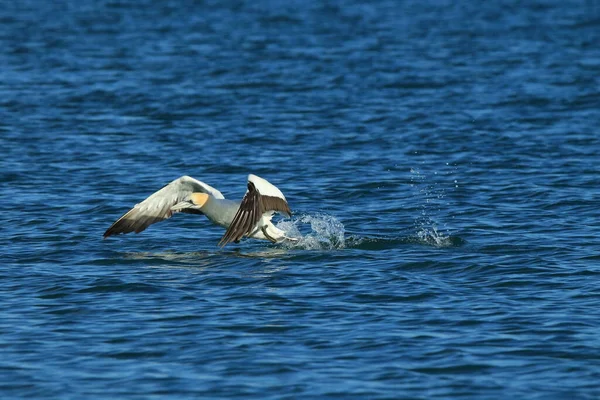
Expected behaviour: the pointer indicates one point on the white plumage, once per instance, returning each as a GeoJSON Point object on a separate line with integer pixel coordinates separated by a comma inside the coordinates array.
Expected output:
{"type": "Point", "coordinates": [249, 218]}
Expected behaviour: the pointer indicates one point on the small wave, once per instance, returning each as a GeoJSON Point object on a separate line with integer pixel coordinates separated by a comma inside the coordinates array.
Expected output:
{"type": "Point", "coordinates": [383, 243]}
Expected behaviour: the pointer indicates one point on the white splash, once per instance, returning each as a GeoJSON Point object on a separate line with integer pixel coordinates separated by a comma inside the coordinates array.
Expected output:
{"type": "Point", "coordinates": [326, 232]}
{"type": "Point", "coordinates": [430, 192]}
{"type": "Point", "coordinates": [427, 233]}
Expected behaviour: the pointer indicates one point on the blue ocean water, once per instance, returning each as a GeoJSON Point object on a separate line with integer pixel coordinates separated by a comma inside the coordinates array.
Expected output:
{"type": "Point", "coordinates": [442, 160]}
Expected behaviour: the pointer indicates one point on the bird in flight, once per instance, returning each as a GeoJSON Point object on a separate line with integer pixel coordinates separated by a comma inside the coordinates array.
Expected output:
{"type": "Point", "coordinates": [249, 218]}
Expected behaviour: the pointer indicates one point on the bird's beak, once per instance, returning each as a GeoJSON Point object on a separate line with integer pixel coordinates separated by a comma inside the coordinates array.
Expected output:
{"type": "Point", "coordinates": [182, 205]}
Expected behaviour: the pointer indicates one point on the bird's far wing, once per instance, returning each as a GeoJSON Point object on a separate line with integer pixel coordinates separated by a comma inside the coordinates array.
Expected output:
{"type": "Point", "coordinates": [261, 197]}
{"type": "Point", "coordinates": [157, 207]}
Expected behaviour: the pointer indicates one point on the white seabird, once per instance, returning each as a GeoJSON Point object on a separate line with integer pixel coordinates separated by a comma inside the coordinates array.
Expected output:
{"type": "Point", "coordinates": [251, 217]}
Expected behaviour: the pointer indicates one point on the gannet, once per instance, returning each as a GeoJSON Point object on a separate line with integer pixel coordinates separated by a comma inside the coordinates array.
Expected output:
{"type": "Point", "coordinates": [251, 217]}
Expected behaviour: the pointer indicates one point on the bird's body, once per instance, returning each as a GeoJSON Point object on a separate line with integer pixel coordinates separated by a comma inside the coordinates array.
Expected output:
{"type": "Point", "coordinates": [249, 218]}
{"type": "Point", "coordinates": [222, 212]}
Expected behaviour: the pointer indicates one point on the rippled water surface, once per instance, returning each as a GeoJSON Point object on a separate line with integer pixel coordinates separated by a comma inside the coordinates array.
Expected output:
{"type": "Point", "coordinates": [442, 160]}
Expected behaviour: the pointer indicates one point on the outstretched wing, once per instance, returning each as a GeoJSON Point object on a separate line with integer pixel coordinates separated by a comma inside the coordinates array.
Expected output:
{"type": "Point", "coordinates": [260, 198]}
{"type": "Point", "coordinates": [157, 207]}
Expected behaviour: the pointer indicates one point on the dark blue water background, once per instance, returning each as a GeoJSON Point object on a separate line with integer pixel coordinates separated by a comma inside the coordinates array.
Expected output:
{"type": "Point", "coordinates": [442, 159]}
